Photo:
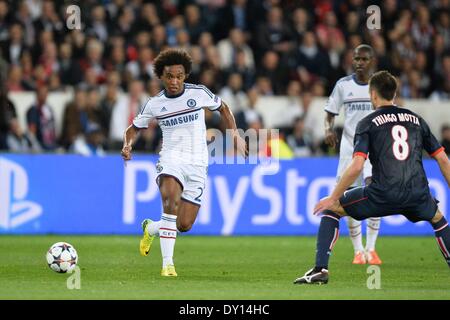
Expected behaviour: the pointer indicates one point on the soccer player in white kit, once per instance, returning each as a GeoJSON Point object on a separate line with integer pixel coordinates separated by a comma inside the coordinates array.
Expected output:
{"type": "Point", "coordinates": [352, 93]}
{"type": "Point", "coordinates": [183, 162]}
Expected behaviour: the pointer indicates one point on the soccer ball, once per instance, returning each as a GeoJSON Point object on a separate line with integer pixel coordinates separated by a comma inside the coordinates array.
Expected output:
{"type": "Point", "coordinates": [62, 257]}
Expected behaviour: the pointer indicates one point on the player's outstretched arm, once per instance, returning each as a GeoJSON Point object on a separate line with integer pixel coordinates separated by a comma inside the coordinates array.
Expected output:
{"type": "Point", "coordinates": [230, 123]}
{"type": "Point", "coordinates": [350, 175]}
{"type": "Point", "coordinates": [444, 165]}
{"type": "Point", "coordinates": [128, 139]}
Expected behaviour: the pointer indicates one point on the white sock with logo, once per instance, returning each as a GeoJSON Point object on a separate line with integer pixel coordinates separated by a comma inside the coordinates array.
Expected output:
{"type": "Point", "coordinates": [167, 236]}
{"type": "Point", "coordinates": [153, 228]}
{"type": "Point", "coordinates": [373, 226]}
{"type": "Point", "coordinates": [354, 227]}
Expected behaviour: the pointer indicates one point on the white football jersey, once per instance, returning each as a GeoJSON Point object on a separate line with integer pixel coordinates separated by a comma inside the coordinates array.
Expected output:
{"type": "Point", "coordinates": [182, 121]}
{"type": "Point", "coordinates": [355, 99]}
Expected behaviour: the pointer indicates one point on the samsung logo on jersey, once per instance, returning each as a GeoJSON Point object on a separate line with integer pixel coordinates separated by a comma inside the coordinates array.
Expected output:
{"type": "Point", "coordinates": [359, 107]}
{"type": "Point", "coordinates": [179, 120]}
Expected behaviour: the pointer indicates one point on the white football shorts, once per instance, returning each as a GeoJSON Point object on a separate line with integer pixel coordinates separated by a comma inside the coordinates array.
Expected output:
{"type": "Point", "coordinates": [192, 179]}
{"type": "Point", "coordinates": [344, 162]}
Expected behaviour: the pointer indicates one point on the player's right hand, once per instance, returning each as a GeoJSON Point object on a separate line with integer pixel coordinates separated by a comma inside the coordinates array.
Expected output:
{"type": "Point", "coordinates": [331, 138]}
{"type": "Point", "coordinates": [126, 153]}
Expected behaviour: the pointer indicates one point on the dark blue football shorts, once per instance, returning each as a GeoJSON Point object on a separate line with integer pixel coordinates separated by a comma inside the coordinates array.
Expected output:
{"type": "Point", "coordinates": [358, 204]}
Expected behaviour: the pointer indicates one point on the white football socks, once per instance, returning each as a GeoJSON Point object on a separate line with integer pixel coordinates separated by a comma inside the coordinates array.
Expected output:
{"type": "Point", "coordinates": [373, 226]}
{"type": "Point", "coordinates": [153, 228]}
{"type": "Point", "coordinates": [167, 236]}
{"type": "Point", "coordinates": [354, 227]}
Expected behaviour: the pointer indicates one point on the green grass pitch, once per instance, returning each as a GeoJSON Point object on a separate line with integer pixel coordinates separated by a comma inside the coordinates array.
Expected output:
{"type": "Point", "coordinates": [261, 268]}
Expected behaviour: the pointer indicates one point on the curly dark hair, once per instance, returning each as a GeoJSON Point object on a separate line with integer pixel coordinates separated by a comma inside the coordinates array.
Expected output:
{"type": "Point", "coordinates": [172, 57]}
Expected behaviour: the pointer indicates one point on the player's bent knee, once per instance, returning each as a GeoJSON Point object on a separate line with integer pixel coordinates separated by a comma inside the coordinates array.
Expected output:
{"type": "Point", "coordinates": [437, 217]}
{"type": "Point", "coordinates": [184, 227]}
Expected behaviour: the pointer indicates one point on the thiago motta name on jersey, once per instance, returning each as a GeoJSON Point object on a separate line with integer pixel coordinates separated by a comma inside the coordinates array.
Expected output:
{"type": "Point", "coordinates": [399, 117]}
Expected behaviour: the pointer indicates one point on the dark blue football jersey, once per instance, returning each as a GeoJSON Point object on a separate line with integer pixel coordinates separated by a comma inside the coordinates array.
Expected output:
{"type": "Point", "coordinates": [393, 138]}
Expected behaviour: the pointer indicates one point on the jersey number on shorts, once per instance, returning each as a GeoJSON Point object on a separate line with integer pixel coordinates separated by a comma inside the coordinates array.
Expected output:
{"type": "Point", "coordinates": [198, 197]}
{"type": "Point", "coordinates": [400, 146]}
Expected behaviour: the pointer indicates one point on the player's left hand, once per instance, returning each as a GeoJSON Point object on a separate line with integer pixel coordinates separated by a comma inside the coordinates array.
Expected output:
{"type": "Point", "coordinates": [324, 204]}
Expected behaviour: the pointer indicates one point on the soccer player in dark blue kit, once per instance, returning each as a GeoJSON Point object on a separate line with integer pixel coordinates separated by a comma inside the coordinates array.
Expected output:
{"type": "Point", "coordinates": [393, 138]}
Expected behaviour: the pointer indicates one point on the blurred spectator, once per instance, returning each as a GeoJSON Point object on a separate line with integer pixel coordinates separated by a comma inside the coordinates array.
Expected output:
{"type": "Point", "coordinates": [239, 65]}
{"type": "Point", "coordinates": [445, 136]}
{"type": "Point", "coordinates": [5, 20]}
{"type": "Point", "coordinates": [7, 114]}
{"type": "Point", "coordinates": [264, 86]}
{"type": "Point", "coordinates": [93, 60]}
{"type": "Point", "coordinates": [90, 143]}
{"type": "Point", "coordinates": [19, 141]}
{"type": "Point", "coordinates": [124, 112]}
{"type": "Point", "coordinates": [41, 121]}
{"type": "Point", "coordinates": [233, 93]}
{"type": "Point", "coordinates": [154, 87]}
{"type": "Point", "coordinates": [421, 29]}
{"type": "Point", "coordinates": [70, 71]}
{"type": "Point", "coordinates": [443, 27]}
{"type": "Point", "coordinates": [142, 68]}
{"type": "Point", "coordinates": [383, 61]}
{"type": "Point", "coordinates": [229, 47]}
{"type": "Point", "coordinates": [107, 105]}
{"type": "Point", "coordinates": [328, 31]}
{"type": "Point", "coordinates": [14, 81]}
{"type": "Point", "coordinates": [299, 141]}
{"type": "Point", "coordinates": [194, 22]}
{"type": "Point", "coordinates": [75, 118]}
{"type": "Point", "coordinates": [13, 48]}
{"type": "Point", "coordinates": [274, 70]}
{"type": "Point", "coordinates": [97, 25]}
{"type": "Point", "coordinates": [274, 34]}
{"type": "Point", "coordinates": [49, 20]}
{"type": "Point", "coordinates": [25, 18]}
{"type": "Point", "coordinates": [26, 62]}
{"type": "Point", "coordinates": [158, 39]}
{"type": "Point", "coordinates": [235, 15]}
{"type": "Point", "coordinates": [301, 22]}
{"type": "Point", "coordinates": [442, 92]}
{"type": "Point", "coordinates": [293, 107]}
{"type": "Point", "coordinates": [149, 17]}
{"type": "Point", "coordinates": [246, 116]}
{"type": "Point", "coordinates": [309, 57]}
{"type": "Point", "coordinates": [175, 25]}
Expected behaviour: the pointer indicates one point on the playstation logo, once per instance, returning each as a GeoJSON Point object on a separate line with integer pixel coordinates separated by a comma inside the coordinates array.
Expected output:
{"type": "Point", "coordinates": [14, 209]}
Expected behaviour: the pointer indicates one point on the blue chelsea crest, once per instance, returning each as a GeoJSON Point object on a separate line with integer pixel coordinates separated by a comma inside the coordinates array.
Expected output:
{"type": "Point", "coordinates": [191, 103]}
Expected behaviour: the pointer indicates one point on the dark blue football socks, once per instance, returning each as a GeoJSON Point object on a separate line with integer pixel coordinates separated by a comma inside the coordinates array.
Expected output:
{"type": "Point", "coordinates": [442, 233]}
{"type": "Point", "coordinates": [326, 238]}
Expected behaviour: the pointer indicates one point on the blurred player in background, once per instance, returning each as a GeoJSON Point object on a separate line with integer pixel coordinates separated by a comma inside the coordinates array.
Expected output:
{"type": "Point", "coordinates": [393, 138]}
{"type": "Point", "coordinates": [352, 93]}
{"type": "Point", "coordinates": [182, 167]}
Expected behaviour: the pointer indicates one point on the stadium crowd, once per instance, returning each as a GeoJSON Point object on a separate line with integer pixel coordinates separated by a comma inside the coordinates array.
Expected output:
{"type": "Point", "coordinates": [241, 49]}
